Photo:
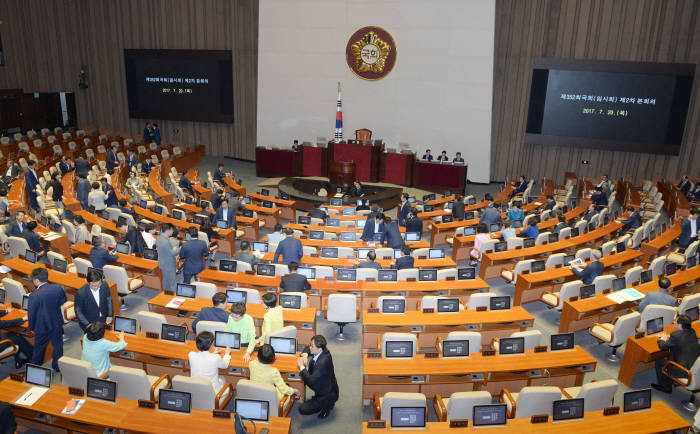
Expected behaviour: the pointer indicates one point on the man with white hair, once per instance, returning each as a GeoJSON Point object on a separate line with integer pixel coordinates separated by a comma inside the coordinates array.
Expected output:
{"type": "Point", "coordinates": [589, 272]}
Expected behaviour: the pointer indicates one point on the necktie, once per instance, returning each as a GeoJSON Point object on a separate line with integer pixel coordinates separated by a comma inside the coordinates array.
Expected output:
{"type": "Point", "coordinates": [312, 364]}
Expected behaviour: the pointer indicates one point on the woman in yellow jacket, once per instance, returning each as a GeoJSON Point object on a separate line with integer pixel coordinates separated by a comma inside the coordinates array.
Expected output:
{"type": "Point", "coordinates": [262, 371]}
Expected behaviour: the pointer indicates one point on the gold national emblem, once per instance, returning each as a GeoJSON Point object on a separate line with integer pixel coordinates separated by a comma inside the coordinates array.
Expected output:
{"type": "Point", "coordinates": [371, 53]}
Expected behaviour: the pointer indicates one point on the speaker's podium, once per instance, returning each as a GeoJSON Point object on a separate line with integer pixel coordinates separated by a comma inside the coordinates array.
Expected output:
{"type": "Point", "coordinates": [342, 173]}
{"type": "Point", "coordinates": [366, 157]}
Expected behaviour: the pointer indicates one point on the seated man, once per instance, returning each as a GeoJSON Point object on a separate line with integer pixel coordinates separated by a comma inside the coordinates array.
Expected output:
{"type": "Point", "coordinates": [427, 156]}
{"type": "Point", "coordinates": [661, 296]}
{"type": "Point", "coordinates": [632, 222]}
{"type": "Point", "coordinates": [507, 231]}
{"type": "Point", "coordinates": [590, 212]}
{"type": "Point", "coordinates": [684, 347]}
{"type": "Point", "coordinates": [215, 313]}
{"type": "Point", "coordinates": [133, 237]}
{"type": "Point", "coordinates": [520, 186]}
{"type": "Point", "coordinates": [100, 256]}
{"type": "Point", "coordinates": [406, 260]}
{"type": "Point", "coordinates": [17, 225]}
{"type": "Point", "coordinates": [185, 183]}
{"type": "Point", "coordinates": [246, 255]}
{"type": "Point", "coordinates": [370, 262]}
{"type": "Point", "coordinates": [294, 282]}
{"type": "Point", "coordinates": [532, 230]}
{"type": "Point", "coordinates": [458, 158]}
{"type": "Point", "coordinates": [357, 190]}
{"type": "Point", "coordinates": [599, 199]}
{"type": "Point", "coordinates": [457, 208]}
{"type": "Point", "coordinates": [590, 271]}
{"type": "Point", "coordinates": [317, 213]}
{"type": "Point", "coordinates": [443, 157]}
{"type": "Point", "coordinates": [125, 207]}
{"type": "Point", "coordinates": [32, 238]}
{"type": "Point", "coordinates": [550, 203]}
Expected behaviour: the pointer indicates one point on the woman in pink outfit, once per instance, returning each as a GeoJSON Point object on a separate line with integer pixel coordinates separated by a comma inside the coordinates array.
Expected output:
{"type": "Point", "coordinates": [482, 234]}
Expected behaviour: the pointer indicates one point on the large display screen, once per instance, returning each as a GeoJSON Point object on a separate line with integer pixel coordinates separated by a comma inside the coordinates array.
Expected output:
{"type": "Point", "coordinates": [190, 85]}
{"type": "Point", "coordinates": [621, 106]}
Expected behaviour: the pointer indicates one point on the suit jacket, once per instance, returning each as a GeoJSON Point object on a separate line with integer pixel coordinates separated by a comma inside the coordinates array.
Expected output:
{"type": "Point", "coordinates": [415, 225]}
{"type": "Point", "coordinates": [111, 200]}
{"type": "Point", "coordinates": [193, 252]}
{"type": "Point", "coordinates": [403, 213]}
{"type": "Point", "coordinates": [135, 239]}
{"type": "Point", "coordinates": [392, 236]}
{"type": "Point", "coordinates": [684, 349]}
{"type": "Point", "coordinates": [57, 192]}
{"type": "Point", "coordinates": [14, 229]}
{"type": "Point", "coordinates": [427, 157]}
{"type": "Point", "coordinates": [210, 314]}
{"type": "Point", "coordinates": [14, 173]}
{"type": "Point", "coordinates": [185, 183]}
{"type": "Point", "coordinates": [589, 215]}
{"type": "Point", "coordinates": [368, 230]}
{"type": "Point", "coordinates": [82, 166]}
{"type": "Point", "coordinates": [294, 282]}
{"type": "Point", "coordinates": [291, 250]}
{"type": "Point", "coordinates": [33, 240]}
{"type": "Point", "coordinates": [320, 377]}
{"type": "Point", "coordinates": [634, 221]}
{"type": "Point", "coordinates": [112, 160]}
{"type": "Point", "coordinates": [30, 181]}
{"type": "Point", "coordinates": [44, 309]}
{"type": "Point", "coordinates": [166, 261]}
{"type": "Point", "coordinates": [215, 200]}
{"type": "Point", "coordinates": [356, 192]}
{"type": "Point", "coordinates": [65, 167]}
{"type": "Point", "coordinates": [684, 185]}
{"type": "Point", "coordinates": [219, 176]}
{"type": "Point", "coordinates": [82, 191]}
{"type": "Point", "coordinates": [458, 209]}
{"type": "Point", "coordinates": [230, 217]}
{"type": "Point", "coordinates": [404, 262]}
{"type": "Point", "coordinates": [7, 323]}
{"type": "Point", "coordinates": [599, 199]}
{"type": "Point", "coordinates": [146, 166]}
{"type": "Point", "coordinates": [549, 205]}
{"type": "Point", "coordinates": [491, 215]}
{"type": "Point", "coordinates": [132, 160]}
{"type": "Point", "coordinates": [87, 310]}
{"type": "Point", "coordinates": [520, 187]}
{"type": "Point", "coordinates": [593, 270]}
{"type": "Point", "coordinates": [684, 239]}
{"type": "Point", "coordinates": [156, 136]}
{"type": "Point", "coordinates": [99, 257]}
{"type": "Point", "coordinates": [369, 264]}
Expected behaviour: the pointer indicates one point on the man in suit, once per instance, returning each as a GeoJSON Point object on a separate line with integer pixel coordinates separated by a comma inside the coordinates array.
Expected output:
{"type": "Point", "coordinates": [132, 159]}
{"type": "Point", "coordinates": [133, 237]}
{"type": "Point", "coordinates": [550, 203]}
{"type": "Point", "coordinates": [167, 248]}
{"type": "Point", "coordinates": [17, 226]}
{"type": "Point", "coordinates": [93, 301]}
{"type": "Point", "coordinates": [82, 166]}
{"type": "Point", "coordinates": [83, 190]}
{"type": "Point", "coordinates": [599, 199]}
{"type": "Point", "coordinates": [590, 212]}
{"type": "Point", "coordinates": [193, 252]}
{"type": "Point", "coordinates": [147, 133]}
{"type": "Point", "coordinates": [391, 234]}
{"type": "Point", "coordinates": [124, 207]}
{"type": "Point", "coordinates": [695, 194]}
{"type": "Point", "coordinates": [458, 158]}
{"type": "Point", "coordinates": [689, 229]}
{"type": "Point", "coordinates": [684, 347]}
{"type": "Point", "coordinates": [443, 157]}
{"type": "Point", "coordinates": [405, 208]}
{"type": "Point", "coordinates": [235, 203]}
{"type": "Point", "coordinates": [632, 222]}
{"type": "Point", "coordinates": [413, 223]}
{"type": "Point", "coordinates": [156, 135]}
{"type": "Point", "coordinates": [661, 296]}
{"type": "Point", "coordinates": [112, 160]}
{"type": "Point", "coordinates": [110, 194]}
{"type": "Point", "coordinates": [458, 207]}
{"type": "Point", "coordinates": [31, 180]}
{"type": "Point", "coordinates": [604, 185]}
{"type": "Point", "coordinates": [406, 260]}
{"type": "Point", "coordinates": [219, 174]}
{"type": "Point", "coordinates": [227, 214]}
{"type": "Point", "coordinates": [147, 165]}
{"type": "Point", "coordinates": [246, 255]}
{"type": "Point", "coordinates": [185, 183]}
{"type": "Point", "coordinates": [290, 248]}
{"type": "Point", "coordinates": [356, 190]}
{"type": "Point", "coordinates": [427, 156]}
{"type": "Point", "coordinates": [100, 256]}
{"type": "Point", "coordinates": [590, 271]}
{"type": "Point", "coordinates": [316, 367]}
{"type": "Point", "coordinates": [372, 226]}
{"type": "Point", "coordinates": [294, 282]}
{"type": "Point", "coordinates": [216, 197]}
{"type": "Point", "coordinates": [317, 213]}
{"type": "Point", "coordinates": [12, 171]}
{"type": "Point", "coordinates": [490, 214]}
{"type": "Point", "coordinates": [45, 317]}
{"type": "Point", "coordinates": [370, 262]}
{"type": "Point", "coordinates": [520, 186]}
{"type": "Point", "coordinates": [215, 313]}
{"type": "Point", "coordinates": [33, 240]}
{"type": "Point", "coordinates": [684, 185]}
{"type": "Point", "coordinates": [65, 165]}
{"type": "Point", "coordinates": [25, 347]}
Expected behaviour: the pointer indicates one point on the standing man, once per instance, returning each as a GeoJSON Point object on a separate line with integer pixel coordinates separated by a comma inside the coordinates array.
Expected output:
{"type": "Point", "coordinates": [65, 165]}
{"type": "Point", "coordinates": [458, 207]}
{"type": "Point", "coordinates": [167, 248]}
{"type": "Point", "coordinates": [405, 208]}
{"type": "Point", "coordinates": [290, 248]}
{"type": "Point", "coordinates": [391, 234]}
{"type": "Point", "coordinates": [294, 282]}
{"type": "Point", "coordinates": [112, 160]}
{"type": "Point", "coordinates": [147, 133]}
{"type": "Point", "coordinates": [193, 252]}
{"type": "Point", "coordinates": [316, 366]}
{"type": "Point", "coordinates": [31, 180]}
{"type": "Point", "coordinates": [227, 214]}
{"type": "Point", "coordinates": [45, 318]}
{"type": "Point", "coordinates": [156, 134]}
{"type": "Point", "coordinates": [685, 349]}
{"type": "Point", "coordinates": [490, 214]}
{"type": "Point", "coordinates": [413, 223]}
{"type": "Point", "coordinates": [132, 160]}
{"type": "Point", "coordinates": [689, 229]}
{"type": "Point", "coordinates": [83, 190]}
{"type": "Point", "coordinates": [93, 302]}
{"type": "Point", "coordinates": [82, 166]}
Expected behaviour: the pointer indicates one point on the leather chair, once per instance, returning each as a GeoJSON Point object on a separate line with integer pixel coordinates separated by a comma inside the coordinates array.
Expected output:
{"type": "Point", "coordinates": [383, 405]}
{"type": "Point", "coordinates": [135, 384]}
{"type": "Point", "coordinates": [531, 400]}
{"type": "Point", "coordinates": [596, 395]}
{"type": "Point", "coordinates": [615, 334]}
{"type": "Point", "coordinates": [204, 397]}
{"type": "Point", "coordinates": [342, 309]}
{"type": "Point", "coordinates": [363, 135]}
{"type": "Point", "coordinates": [247, 389]}
{"type": "Point", "coordinates": [460, 405]}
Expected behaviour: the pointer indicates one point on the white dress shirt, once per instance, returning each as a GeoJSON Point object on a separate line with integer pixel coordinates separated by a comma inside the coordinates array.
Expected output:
{"type": "Point", "coordinates": [149, 239]}
{"type": "Point", "coordinates": [205, 364]}
{"type": "Point", "coordinates": [224, 214]}
{"type": "Point", "coordinates": [96, 296]}
{"type": "Point", "coordinates": [693, 228]}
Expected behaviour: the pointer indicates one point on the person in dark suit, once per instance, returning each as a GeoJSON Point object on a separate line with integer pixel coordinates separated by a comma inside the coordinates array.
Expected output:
{"type": "Point", "coordinates": [147, 133]}
{"type": "Point", "coordinates": [110, 194]}
{"type": "Point", "coordinates": [372, 226]}
{"type": "Point", "coordinates": [427, 156]}
{"type": "Point", "coordinates": [695, 194]}
{"type": "Point", "coordinates": [235, 202]}
{"type": "Point", "coordinates": [219, 174]}
{"type": "Point", "coordinates": [405, 208]}
{"type": "Point", "coordinates": [520, 186]}
{"type": "Point", "coordinates": [133, 237]}
{"type": "Point", "coordinates": [246, 255]}
{"type": "Point", "coordinates": [45, 317]}
{"type": "Point", "coordinates": [290, 248]}
{"type": "Point", "coordinates": [370, 262]}
{"type": "Point", "coordinates": [391, 234]}
{"type": "Point", "coordinates": [147, 165]}
{"type": "Point", "coordinates": [11, 171]}
{"type": "Point", "coordinates": [216, 198]}
{"type": "Point", "coordinates": [684, 185]}
{"type": "Point", "coordinates": [132, 159]}
{"type": "Point", "coordinates": [65, 165]}
{"type": "Point", "coordinates": [193, 252]}
{"type": "Point", "coordinates": [632, 222]}
{"type": "Point", "coordinates": [356, 190]}
{"type": "Point", "coordinates": [406, 260]}
{"type": "Point", "coordinates": [590, 212]}
{"type": "Point", "coordinates": [31, 180]}
{"type": "Point", "coordinates": [125, 207]}
{"type": "Point", "coordinates": [443, 157]}
{"type": "Point", "coordinates": [316, 366]}
{"type": "Point", "coordinates": [294, 282]}
{"type": "Point", "coordinates": [458, 158]}
{"type": "Point", "coordinates": [550, 202]}
{"type": "Point", "coordinates": [185, 183]}
{"type": "Point", "coordinates": [112, 159]}
{"type": "Point", "coordinates": [93, 301]}
{"type": "Point", "coordinates": [216, 313]}
{"type": "Point", "coordinates": [490, 214]}
{"type": "Point", "coordinates": [82, 166]}
{"type": "Point", "coordinates": [227, 214]}
{"type": "Point", "coordinates": [598, 198]}
{"type": "Point", "coordinates": [413, 223]}
{"type": "Point", "coordinates": [591, 271]}
{"type": "Point", "coordinates": [83, 190]}
{"type": "Point", "coordinates": [684, 347]}
{"type": "Point", "coordinates": [374, 211]}
{"type": "Point", "coordinates": [156, 135]}
{"type": "Point", "coordinates": [18, 225]}
{"type": "Point", "coordinates": [689, 229]}
{"type": "Point", "coordinates": [25, 348]}
{"type": "Point", "coordinates": [317, 213]}
{"type": "Point", "coordinates": [458, 207]}
{"type": "Point", "coordinates": [33, 240]}
{"type": "Point", "coordinates": [99, 256]}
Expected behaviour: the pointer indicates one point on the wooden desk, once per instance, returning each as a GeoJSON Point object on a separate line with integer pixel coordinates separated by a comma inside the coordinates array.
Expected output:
{"type": "Point", "coordinates": [69, 199]}
{"type": "Point", "coordinates": [154, 178]}
{"type": "Point", "coordinates": [233, 185]}
{"type": "Point", "coordinates": [660, 418]}
{"type": "Point", "coordinates": [153, 277]}
{"type": "Point", "coordinates": [271, 216]}
{"type": "Point", "coordinates": [662, 242]}
{"type": "Point", "coordinates": [94, 219]}
{"type": "Point", "coordinates": [150, 215]}
{"type": "Point", "coordinates": [334, 229]}
{"type": "Point", "coordinates": [447, 375]}
{"type": "Point", "coordinates": [428, 326]}
{"type": "Point", "coordinates": [288, 208]}
{"type": "Point", "coordinates": [227, 241]}
{"type": "Point", "coordinates": [445, 262]}
{"type": "Point", "coordinates": [439, 177]}
{"type": "Point", "coordinates": [359, 244]}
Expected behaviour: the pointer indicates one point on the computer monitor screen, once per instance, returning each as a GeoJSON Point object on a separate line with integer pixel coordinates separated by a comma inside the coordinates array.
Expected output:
{"type": "Point", "coordinates": [336, 201]}
{"type": "Point", "coordinates": [173, 400]}
{"type": "Point", "coordinates": [266, 270]}
{"type": "Point", "coordinates": [618, 284]}
{"type": "Point", "coordinates": [175, 333]}
{"type": "Point", "coordinates": [393, 305]}
{"type": "Point", "coordinates": [591, 227]}
{"type": "Point", "coordinates": [124, 324]}
{"type": "Point", "coordinates": [30, 256]}
{"type": "Point", "coordinates": [489, 415]}
{"type": "Point", "coordinates": [362, 253]}
{"type": "Point", "coordinates": [235, 296]}
{"type": "Point", "coordinates": [290, 301]}
{"type": "Point", "coordinates": [283, 345]}
{"type": "Point", "coordinates": [469, 230]}
{"type": "Point", "coordinates": [346, 275]}
{"type": "Point", "coordinates": [226, 339]}
{"type": "Point", "coordinates": [264, 192]}
{"type": "Point", "coordinates": [123, 248]}
{"type": "Point", "coordinates": [3, 295]}
{"type": "Point", "coordinates": [501, 246]}
{"type": "Point", "coordinates": [436, 253]}
{"type": "Point", "coordinates": [511, 346]}
{"type": "Point", "coordinates": [467, 273]}
{"type": "Point", "coordinates": [348, 236]}
{"type": "Point", "coordinates": [248, 213]}
{"type": "Point", "coordinates": [408, 417]}
{"type": "Point", "coordinates": [348, 211]}
{"type": "Point", "coordinates": [428, 208]}
{"type": "Point", "coordinates": [253, 409]}
{"type": "Point", "coordinates": [309, 273]}
{"type": "Point", "coordinates": [387, 275]}
{"type": "Point", "coordinates": [151, 254]}
{"type": "Point", "coordinates": [247, 200]}
{"type": "Point", "coordinates": [360, 224]}
{"type": "Point", "coordinates": [60, 265]}
{"type": "Point", "coordinates": [227, 265]}
{"type": "Point", "coordinates": [25, 303]}
{"type": "Point", "coordinates": [221, 224]}
{"type": "Point", "coordinates": [670, 268]}
{"type": "Point", "coordinates": [471, 201]}
{"type": "Point", "coordinates": [412, 236]}
{"type": "Point", "coordinates": [587, 291]}
{"type": "Point", "coordinates": [377, 237]}
{"type": "Point", "coordinates": [329, 252]}
{"type": "Point", "coordinates": [37, 375]}
{"type": "Point", "coordinates": [568, 258]}
{"type": "Point", "coordinates": [690, 262]}
{"type": "Point", "coordinates": [185, 290]}
{"type": "Point", "coordinates": [646, 276]}
{"type": "Point", "coordinates": [333, 222]}
{"type": "Point", "coordinates": [455, 348]}
{"type": "Point", "coordinates": [565, 409]}
{"type": "Point", "coordinates": [620, 247]}
{"type": "Point", "coordinates": [448, 305]}
{"type": "Point", "coordinates": [304, 220]}
{"type": "Point", "coordinates": [563, 341]}
{"type": "Point", "coordinates": [447, 218]}
{"type": "Point", "coordinates": [499, 303]}
{"type": "Point", "coordinates": [537, 266]}
{"type": "Point", "coordinates": [494, 227]}
{"type": "Point", "coordinates": [575, 232]}
{"type": "Point", "coordinates": [516, 224]}
{"type": "Point", "coordinates": [397, 253]}
{"type": "Point", "coordinates": [552, 238]}
{"type": "Point", "coordinates": [177, 214]}
{"type": "Point", "coordinates": [260, 247]}
{"type": "Point", "coordinates": [411, 199]}
{"type": "Point", "coordinates": [315, 235]}
{"type": "Point", "coordinates": [637, 400]}
{"type": "Point", "coordinates": [692, 313]}
{"type": "Point", "coordinates": [98, 388]}
{"type": "Point", "coordinates": [143, 204]}
{"type": "Point", "coordinates": [427, 275]}
{"type": "Point", "coordinates": [655, 325]}
{"type": "Point", "coordinates": [399, 349]}
{"type": "Point", "coordinates": [528, 242]}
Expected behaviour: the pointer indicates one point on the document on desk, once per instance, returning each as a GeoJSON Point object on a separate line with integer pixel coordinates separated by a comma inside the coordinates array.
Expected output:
{"type": "Point", "coordinates": [631, 294]}
{"type": "Point", "coordinates": [175, 303]}
{"type": "Point", "coordinates": [5, 269]}
{"type": "Point", "coordinates": [50, 236]}
{"type": "Point", "coordinates": [31, 396]}
{"type": "Point", "coordinates": [617, 298]}
{"type": "Point", "coordinates": [72, 406]}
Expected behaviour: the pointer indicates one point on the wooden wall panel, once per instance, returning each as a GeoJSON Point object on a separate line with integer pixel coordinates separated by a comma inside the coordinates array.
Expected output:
{"type": "Point", "coordinates": [46, 41]}
{"type": "Point", "coordinates": [634, 30]}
